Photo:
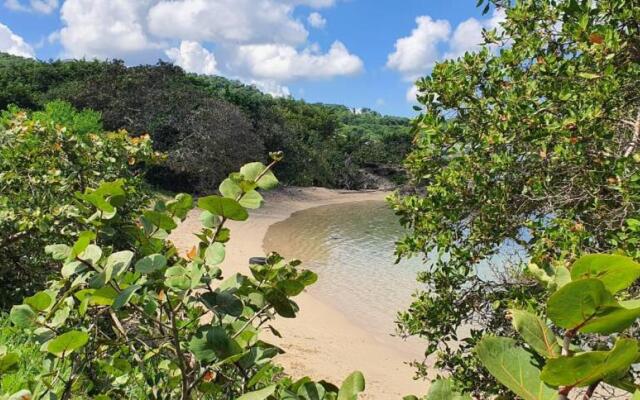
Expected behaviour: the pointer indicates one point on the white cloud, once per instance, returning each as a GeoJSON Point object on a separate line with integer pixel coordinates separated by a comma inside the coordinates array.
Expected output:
{"type": "Point", "coordinates": [285, 63]}
{"type": "Point", "coordinates": [228, 21]}
{"type": "Point", "coordinates": [468, 34]}
{"type": "Point", "coordinates": [316, 20]}
{"type": "Point", "coordinates": [311, 3]}
{"type": "Point", "coordinates": [418, 52]}
{"type": "Point", "coordinates": [192, 57]}
{"type": "Point", "coordinates": [105, 28]}
{"type": "Point", "coordinates": [432, 41]}
{"type": "Point", "coordinates": [41, 6]}
{"type": "Point", "coordinates": [271, 87]}
{"type": "Point", "coordinates": [14, 44]}
{"type": "Point", "coordinates": [412, 94]}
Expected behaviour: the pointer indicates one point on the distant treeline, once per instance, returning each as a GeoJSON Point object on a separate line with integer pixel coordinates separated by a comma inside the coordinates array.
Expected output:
{"type": "Point", "coordinates": [209, 126]}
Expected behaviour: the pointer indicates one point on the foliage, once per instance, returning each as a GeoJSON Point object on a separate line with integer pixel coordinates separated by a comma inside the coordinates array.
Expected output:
{"type": "Point", "coordinates": [191, 117]}
{"type": "Point", "coordinates": [45, 157]}
{"type": "Point", "coordinates": [533, 148]}
{"type": "Point", "coordinates": [550, 367]}
{"type": "Point", "coordinates": [137, 319]}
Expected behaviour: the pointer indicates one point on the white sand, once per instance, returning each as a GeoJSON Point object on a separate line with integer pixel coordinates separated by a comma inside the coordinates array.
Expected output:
{"type": "Point", "coordinates": [321, 342]}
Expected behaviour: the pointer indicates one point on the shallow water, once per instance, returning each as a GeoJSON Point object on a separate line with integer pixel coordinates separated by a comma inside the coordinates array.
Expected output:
{"type": "Point", "coordinates": [350, 246]}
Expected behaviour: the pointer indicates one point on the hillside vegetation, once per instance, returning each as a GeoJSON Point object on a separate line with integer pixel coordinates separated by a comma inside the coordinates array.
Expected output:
{"type": "Point", "coordinates": [192, 117]}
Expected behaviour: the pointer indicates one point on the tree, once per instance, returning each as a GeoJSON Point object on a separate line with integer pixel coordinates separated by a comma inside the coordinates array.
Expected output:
{"type": "Point", "coordinates": [531, 144]}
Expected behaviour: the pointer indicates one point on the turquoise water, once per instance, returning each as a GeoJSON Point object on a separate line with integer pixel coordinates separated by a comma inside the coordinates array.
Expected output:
{"type": "Point", "coordinates": [351, 247]}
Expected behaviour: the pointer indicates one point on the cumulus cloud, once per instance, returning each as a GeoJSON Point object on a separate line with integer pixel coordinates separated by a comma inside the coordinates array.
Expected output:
{"type": "Point", "coordinates": [41, 6]}
{"type": "Point", "coordinates": [418, 52]}
{"type": "Point", "coordinates": [316, 20]}
{"type": "Point", "coordinates": [14, 44]}
{"type": "Point", "coordinates": [434, 40]}
{"type": "Point", "coordinates": [231, 21]}
{"type": "Point", "coordinates": [105, 28]}
{"type": "Point", "coordinates": [284, 63]}
{"type": "Point", "coordinates": [468, 34]}
{"type": "Point", "coordinates": [260, 42]}
{"type": "Point", "coordinates": [192, 57]}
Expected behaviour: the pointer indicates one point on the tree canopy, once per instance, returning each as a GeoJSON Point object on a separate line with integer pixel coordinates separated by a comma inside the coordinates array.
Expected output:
{"type": "Point", "coordinates": [533, 145]}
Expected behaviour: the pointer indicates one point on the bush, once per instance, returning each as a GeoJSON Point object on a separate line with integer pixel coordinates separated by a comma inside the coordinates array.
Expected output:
{"type": "Point", "coordinates": [45, 158]}
{"type": "Point", "coordinates": [139, 320]}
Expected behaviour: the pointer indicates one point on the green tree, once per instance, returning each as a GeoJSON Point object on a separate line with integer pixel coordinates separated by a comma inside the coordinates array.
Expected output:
{"type": "Point", "coordinates": [531, 144]}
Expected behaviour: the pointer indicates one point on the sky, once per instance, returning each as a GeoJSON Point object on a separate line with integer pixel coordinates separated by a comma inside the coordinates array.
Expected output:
{"type": "Point", "coordinates": [360, 53]}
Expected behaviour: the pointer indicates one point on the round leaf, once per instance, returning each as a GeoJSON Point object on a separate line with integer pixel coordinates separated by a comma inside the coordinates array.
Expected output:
{"type": "Point", "coordinates": [67, 343]}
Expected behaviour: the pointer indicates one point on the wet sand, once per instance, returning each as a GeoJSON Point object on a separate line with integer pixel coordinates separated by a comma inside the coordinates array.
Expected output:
{"type": "Point", "coordinates": [321, 342]}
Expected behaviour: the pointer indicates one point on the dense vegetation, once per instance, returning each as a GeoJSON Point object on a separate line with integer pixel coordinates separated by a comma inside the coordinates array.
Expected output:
{"type": "Point", "coordinates": [192, 117]}
{"type": "Point", "coordinates": [136, 319]}
{"type": "Point", "coordinates": [46, 157]}
{"type": "Point", "coordinates": [533, 148]}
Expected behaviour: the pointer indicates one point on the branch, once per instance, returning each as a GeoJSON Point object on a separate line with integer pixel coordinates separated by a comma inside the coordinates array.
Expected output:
{"type": "Point", "coordinates": [636, 137]}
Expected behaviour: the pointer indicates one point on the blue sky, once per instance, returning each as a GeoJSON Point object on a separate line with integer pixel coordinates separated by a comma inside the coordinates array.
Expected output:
{"type": "Point", "coordinates": [361, 53]}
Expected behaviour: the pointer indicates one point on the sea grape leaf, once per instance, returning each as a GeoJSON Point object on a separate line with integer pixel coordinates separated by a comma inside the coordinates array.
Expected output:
{"type": "Point", "coordinates": [39, 301]}
{"type": "Point", "coordinates": [616, 272]}
{"type": "Point", "coordinates": [351, 386]}
{"type": "Point", "coordinates": [58, 251]}
{"type": "Point", "coordinates": [213, 342]}
{"type": "Point", "coordinates": [261, 394]}
{"type": "Point", "coordinates": [209, 220]}
{"type": "Point", "coordinates": [514, 367]}
{"type": "Point", "coordinates": [91, 254]}
{"type": "Point", "coordinates": [252, 200]}
{"type": "Point", "coordinates": [214, 254]}
{"type": "Point", "coordinates": [22, 316]}
{"type": "Point", "coordinates": [311, 391]}
{"type": "Point", "coordinates": [84, 239]}
{"type": "Point", "coordinates": [443, 389]}
{"type": "Point", "coordinates": [229, 189]}
{"type": "Point", "coordinates": [225, 301]}
{"type": "Point", "coordinates": [590, 367]}
{"type": "Point", "coordinates": [151, 263]}
{"type": "Point", "coordinates": [181, 205]}
{"type": "Point", "coordinates": [536, 333]}
{"type": "Point", "coordinates": [117, 263]}
{"type": "Point", "coordinates": [161, 220]}
{"type": "Point", "coordinates": [124, 297]}
{"type": "Point", "coordinates": [224, 207]}
{"type": "Point", "coordinates": [587, 305]}
{"type": "Point", "coordinates": [67, 343]}
{"type": "Point", "coordinates": [252, 171]}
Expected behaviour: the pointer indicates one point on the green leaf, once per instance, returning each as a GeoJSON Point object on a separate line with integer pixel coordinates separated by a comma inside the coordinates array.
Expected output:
{"type": "Point", "coordinates": [124, 297]}
{"type": "Point", "coordinates": [161, 220]}
{"type": "Point", "coordinates": [227, 208]}
{"type": "Point", "coordinates": [224, 301]}
{"type": "Point", "coordinates": [590, 367]}
{"type": "Point", "coordinates": [586, 305]}
{"type": "Point", "coordinates": [252, 171]}
{"type": "Point", "coordinates": [91, 254]}
{"type": "Point", "coordinates": [181, 205]}
{"type": "Point", "coordinates": [443, 389]}
{"type": "Point", "coordinates": [22, 316]}
{"type": "Point", "coordinates": [261, 394]}
{"type": "Point", "coordinates": [58, 251]}
{"type": "Point", "coordinates": [39, 301]}
{"type": "Point", "coordinates": [209, 220]}
{"type": "Point", "coordinates": [352, 386]}
{"type": "Point", "coordinates": [616, 272]}
{"type": "Point", "coordinates": [105, 296]}
{"type": "Point", "coordinates": [211, 343]}
{"type": "Point", "coordinates": [514, 367]}
{"type": "Point", "coordinates": [311, 391]}
{"type": "Point", "coordinates": [230, 189]}
{"type": "Point", "coordinates": [71, 268]}
{"type": "Point", "coordinates": [117, 263]}
{"type": "Point", "coordinates": [290, 287]}
{"type": "Point", "coordinates": [251, 200]}
{"type": "Point", "coordinates": [67, 343]}
{"type": "Point", "coordinates": [151, 263]}
{"type": "Point", "coordinates": [84, 239]}
{"type": "Point", "coordinates": [536, 333]}
{"type": "Point", "coordinates": [7, 360]}
{"type": "Point", "coordinates": [214, 254]}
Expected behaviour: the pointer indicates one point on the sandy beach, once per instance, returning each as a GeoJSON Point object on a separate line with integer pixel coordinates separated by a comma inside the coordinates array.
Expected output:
{"type": "Point", "coordinates": [321, 342]}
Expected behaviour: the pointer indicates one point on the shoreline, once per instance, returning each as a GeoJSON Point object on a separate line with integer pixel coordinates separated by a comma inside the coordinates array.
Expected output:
{"type": "Point", "coordinates": [320, 342]}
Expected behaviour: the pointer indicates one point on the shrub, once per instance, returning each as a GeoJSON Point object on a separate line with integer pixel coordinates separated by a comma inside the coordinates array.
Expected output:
{"type": "Point", "coordinates": [137, 319]}
{"type": "Point", "coordinates": [45, 158]}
